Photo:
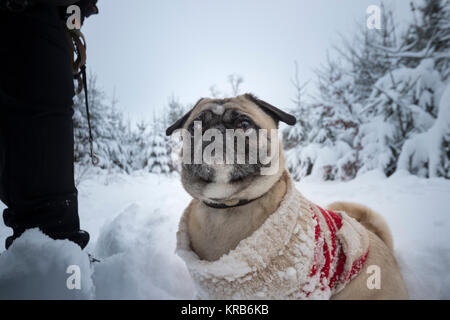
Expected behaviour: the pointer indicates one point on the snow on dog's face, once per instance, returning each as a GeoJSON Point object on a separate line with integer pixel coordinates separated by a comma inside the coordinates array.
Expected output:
{"type": "Point", "coordinates": [231, 149]}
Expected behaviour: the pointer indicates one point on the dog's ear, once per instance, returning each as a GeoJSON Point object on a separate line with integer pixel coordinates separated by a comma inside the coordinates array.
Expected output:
{"type": "Point", "coordinates": [274, 112]}
{"type": "Point", "coordinates": [180, 122]}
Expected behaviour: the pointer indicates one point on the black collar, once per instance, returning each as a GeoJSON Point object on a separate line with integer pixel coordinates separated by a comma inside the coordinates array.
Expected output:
{"type": "Point", "coordinates": [227, 206]}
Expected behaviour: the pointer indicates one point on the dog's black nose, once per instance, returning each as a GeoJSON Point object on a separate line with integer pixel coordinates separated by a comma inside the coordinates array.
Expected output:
{"type": "Point", "coordinates": [202, 171]}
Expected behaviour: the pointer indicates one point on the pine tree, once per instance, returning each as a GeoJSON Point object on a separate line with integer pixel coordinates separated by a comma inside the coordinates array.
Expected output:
{"type": "Point", "coordinates": [175, 110]}
{"type": "Point", "coordinates": [120, 136]}
{"type": "Point", "coordinates": [327, 128]}
{"type": "Point", "coordinates": [377, 101]}
{"type": "Point", "coordinates": [298, 134]}
{"type": "Point", "coordinates": [367, 56]}
{"type": "Point", "coordinates": [158, 153]}
{"type": "Point", "coordinates": [404, 102]}
{"type": "Point", "coordinates": [100, 126]}
{"type": "Point", "coordinates": [338, 107]}
{"type": "Point", "coordinates": [401, 104]}
{"type": "Point", "coordinates": [428, 36]}
{"type": "Point", "coordinates": [427, 154]}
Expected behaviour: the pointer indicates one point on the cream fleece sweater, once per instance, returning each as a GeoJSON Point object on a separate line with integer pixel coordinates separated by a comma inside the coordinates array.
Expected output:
{"type": "Point", "coordinates": [300, 252]}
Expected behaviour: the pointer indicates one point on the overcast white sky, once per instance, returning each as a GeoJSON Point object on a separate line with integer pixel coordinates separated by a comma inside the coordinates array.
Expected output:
{"type": "Point", "coordinates": [148, 50]}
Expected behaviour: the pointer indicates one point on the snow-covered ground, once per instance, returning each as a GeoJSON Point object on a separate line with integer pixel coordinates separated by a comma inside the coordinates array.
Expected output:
{"type": "Point", "coordinates": [133, 220]}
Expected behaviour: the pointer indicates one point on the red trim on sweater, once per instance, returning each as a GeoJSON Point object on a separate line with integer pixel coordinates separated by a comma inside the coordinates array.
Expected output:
{"type": "Point", "coordinates": [325, 272]}
{"type": "Point", "coordinates": [329, 258]}
{"type": "Point", "coordinates": [339, 269]}
{"type": "Point", "coordinates": [334, 223]}
{"type": "Point", "coordinates": [337, 219]}
{"type": "Point", "coordinates": [317, 248]}
{"type": "Point", "coordinates": [332, 229]}
{"type": "Point", "coordinates": [356, 267]}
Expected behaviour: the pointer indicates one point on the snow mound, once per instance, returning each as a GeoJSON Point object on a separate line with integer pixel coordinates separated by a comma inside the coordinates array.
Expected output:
{"type": "Point", "coordinates": [138, 260]}
{"type": "Point", "coordinates": [37, 267]}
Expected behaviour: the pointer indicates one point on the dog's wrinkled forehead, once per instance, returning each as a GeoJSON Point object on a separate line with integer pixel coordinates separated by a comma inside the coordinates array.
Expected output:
{"type": "Point", "coordinates": [229, 108]}
{"type": "Point", "coordinates": [263, 114]}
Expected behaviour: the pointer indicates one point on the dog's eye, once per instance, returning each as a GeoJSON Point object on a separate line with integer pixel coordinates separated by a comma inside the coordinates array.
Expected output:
{"type": "Point", "coordinates": [243, 124]}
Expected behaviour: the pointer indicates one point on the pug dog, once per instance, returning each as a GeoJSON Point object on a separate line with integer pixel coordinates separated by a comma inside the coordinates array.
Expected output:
{"type": "Point", "coordinates": [249, 234]}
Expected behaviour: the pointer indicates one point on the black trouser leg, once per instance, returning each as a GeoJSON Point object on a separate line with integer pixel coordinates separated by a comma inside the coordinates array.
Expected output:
{"type": "Point", "coordinates": [36, 128]}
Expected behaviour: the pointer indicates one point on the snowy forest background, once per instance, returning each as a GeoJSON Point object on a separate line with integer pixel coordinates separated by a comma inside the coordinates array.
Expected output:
{"type": "Point", "coordinates": [381, 102]}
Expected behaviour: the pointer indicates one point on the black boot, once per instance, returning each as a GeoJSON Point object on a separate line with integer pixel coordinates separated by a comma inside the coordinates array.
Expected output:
{"type": "Point", "coordinates": [58, 219]}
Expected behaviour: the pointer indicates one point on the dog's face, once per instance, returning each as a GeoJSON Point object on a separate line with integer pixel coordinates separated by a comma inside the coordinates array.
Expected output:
{"type": "Point", "coordinates": [231, 149]}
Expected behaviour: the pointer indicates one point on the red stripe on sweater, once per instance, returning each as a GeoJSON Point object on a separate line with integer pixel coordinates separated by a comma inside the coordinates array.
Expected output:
{"type": "Point", "coordinates": [356, 267]}
{"type": "Point", "coordinates": [325, 272]}
{"type": "Point", "coordinates": [317, 249]}
{"type": "Point", "coordinates": [332, 229]}
{"type": "Point", "coordinates": [334, 223]}
{"type": "Point", "coordinates": [337, 219]}
{"type": "Point", "coordinates": [339, 269]}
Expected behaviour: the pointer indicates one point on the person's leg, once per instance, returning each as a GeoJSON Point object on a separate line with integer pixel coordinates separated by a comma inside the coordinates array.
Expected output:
{"type": "Point", "coordinates": [36, 90]}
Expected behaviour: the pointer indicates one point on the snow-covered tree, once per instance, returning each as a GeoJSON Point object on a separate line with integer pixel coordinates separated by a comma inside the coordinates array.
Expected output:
{"type": "Point", "coordinates": [327, 128]}
{"type": "Point", "coordinates": [427, 154]}
{"type": "Point", "coordinates": [102, 131]}
{"type": "Point", "coordinates": [175, 110]}
{"type": "Point", "coordinates": [428, 36]}
{"type": "Point", "coordinates": [120, 138]}
{"type": "Point", "coordinates": [404, 103]}
{"type": "Point", "coordinates": [158, 153]}
{"type": "Point", "coordinates": [118, 144]}
{"type": "Point", "coordinates": [366, 54]}
{"type": "Point", "coordinates": [378, 103]}
{"type": "Point", "coordinates": [298, 134]}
